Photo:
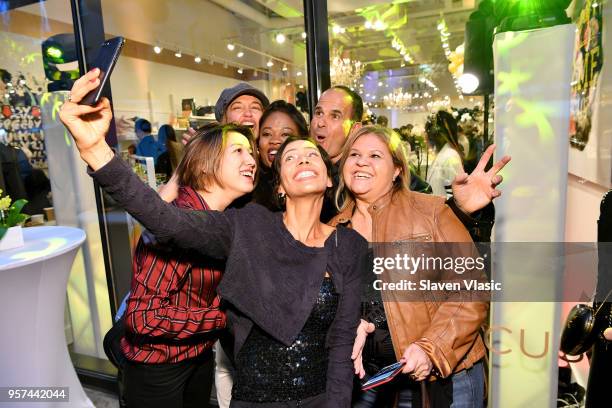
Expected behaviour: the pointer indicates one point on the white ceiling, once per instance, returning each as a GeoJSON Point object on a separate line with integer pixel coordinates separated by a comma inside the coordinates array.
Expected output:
{"type": "Point", "coordinates": [205, 26]}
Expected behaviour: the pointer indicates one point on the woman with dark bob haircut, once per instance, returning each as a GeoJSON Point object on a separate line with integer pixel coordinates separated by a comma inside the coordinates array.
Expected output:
{"type": "Point", "coordinates": [279, 121]}
{"type": "Point", "coordinates": [292, 283]}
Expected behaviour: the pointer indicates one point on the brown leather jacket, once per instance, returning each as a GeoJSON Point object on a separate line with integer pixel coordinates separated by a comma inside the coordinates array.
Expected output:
{"type": "Point", "coordinates": [447, 331]}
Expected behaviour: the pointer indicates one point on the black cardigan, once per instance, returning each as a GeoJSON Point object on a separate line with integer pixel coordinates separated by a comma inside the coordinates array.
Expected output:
{"type": "Point", "coordinates": [271, 279]}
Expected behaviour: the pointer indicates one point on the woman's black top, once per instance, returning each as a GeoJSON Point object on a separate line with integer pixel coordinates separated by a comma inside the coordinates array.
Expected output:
{"type": "Point", "coordinates": [269, 371]}
{"type": "Point", "coordinates": [264, 190]}
{"type": "Point", "coordinates": [271, 280]}
{"type": "Point", "coordinates": [378, 351]}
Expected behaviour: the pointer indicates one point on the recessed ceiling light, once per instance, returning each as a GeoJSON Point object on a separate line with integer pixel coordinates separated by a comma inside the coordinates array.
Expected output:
{"type": "Point", "coordinates": [280, 38]}
{"type": "Point", "coordinates": [240, 54]}
{"type": "Point", "coordinates": [230, 47]}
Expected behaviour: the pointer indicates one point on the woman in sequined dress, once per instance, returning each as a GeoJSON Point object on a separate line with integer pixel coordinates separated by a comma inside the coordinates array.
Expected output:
{"type": "Point", "coordinates": [291, 282]}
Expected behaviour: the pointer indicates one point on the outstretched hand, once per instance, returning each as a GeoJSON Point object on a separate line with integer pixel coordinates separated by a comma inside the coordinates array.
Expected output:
{"type": "Point", "coordinates": [476, 190]}
{"type": "Point", "coordinates": [363, 330]}
{"type": "Point", "coordinates": [88, 125]}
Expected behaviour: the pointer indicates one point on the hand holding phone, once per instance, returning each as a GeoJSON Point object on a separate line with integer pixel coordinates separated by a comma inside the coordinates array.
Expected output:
{"type": "Point", "coordinates": [385, 375]}
{"type": "Point", "coordinates": [105, 61]}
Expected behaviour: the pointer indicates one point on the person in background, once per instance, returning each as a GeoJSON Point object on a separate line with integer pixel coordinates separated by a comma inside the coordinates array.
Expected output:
{"type": "Point", "coordinates": [38, 189]}
{"type": "Point", "coordinates": [242, 104]}
{"type": "Point", "coordinates": [383, 121]}
{"type": "Point", "coordinates": [279, 121]}
{"type": "Point", "coordinates": [443, 134]}
{"type": "Point", "coordinates": [165, 135]}
{"type": "Point", "coordinates": [147, 145]}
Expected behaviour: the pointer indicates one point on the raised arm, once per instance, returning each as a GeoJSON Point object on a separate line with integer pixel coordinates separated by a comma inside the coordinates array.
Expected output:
{"type": "Point", "coordinates": [208, 232]}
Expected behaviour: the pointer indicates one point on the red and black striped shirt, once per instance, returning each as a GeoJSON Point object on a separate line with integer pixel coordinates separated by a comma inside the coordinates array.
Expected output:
{"type": "Point", "coordinates": [173, 301]}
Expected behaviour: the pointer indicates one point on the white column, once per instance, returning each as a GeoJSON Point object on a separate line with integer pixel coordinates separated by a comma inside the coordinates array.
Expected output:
{"type": "Point", "coordinates": [532, 104]}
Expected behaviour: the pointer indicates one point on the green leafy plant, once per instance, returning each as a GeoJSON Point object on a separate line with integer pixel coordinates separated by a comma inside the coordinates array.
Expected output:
{"type": "Point", "coordinates": [10, 213]}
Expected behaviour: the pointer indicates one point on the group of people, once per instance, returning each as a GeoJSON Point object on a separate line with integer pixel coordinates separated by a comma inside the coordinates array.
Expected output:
{"type": "Point", "coordinates": [279, 279]}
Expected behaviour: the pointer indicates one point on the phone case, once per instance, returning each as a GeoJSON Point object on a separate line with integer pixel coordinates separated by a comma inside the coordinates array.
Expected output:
{"type": "Point", "coordinates": [385, 375]}
{"type": "Point", "coordinates": [94, 96]}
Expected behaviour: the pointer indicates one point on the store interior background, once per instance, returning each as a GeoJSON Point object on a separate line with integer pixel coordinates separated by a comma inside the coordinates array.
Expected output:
{"type": "Point", "coordinates": [151, 85]}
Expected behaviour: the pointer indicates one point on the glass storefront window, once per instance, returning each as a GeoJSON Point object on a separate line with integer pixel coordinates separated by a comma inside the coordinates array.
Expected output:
{"type": "Point", "coordinates": [452, 77]}
{"type": "Point", "coordinates": [176, 61]}
{"type": "Point", "coordinates": [37, 64]}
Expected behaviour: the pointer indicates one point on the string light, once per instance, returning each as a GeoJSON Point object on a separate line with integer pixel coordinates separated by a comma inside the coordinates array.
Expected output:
{"type": "Point", "coordinates": [444, 39]}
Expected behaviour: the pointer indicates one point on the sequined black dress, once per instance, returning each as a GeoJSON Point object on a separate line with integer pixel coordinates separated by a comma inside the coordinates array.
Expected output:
{"type": "Point", "coordinates": [269, 371]}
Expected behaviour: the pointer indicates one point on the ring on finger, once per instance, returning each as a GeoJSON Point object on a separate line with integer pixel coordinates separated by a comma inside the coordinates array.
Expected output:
{"type": "Point", "coordinates": [69, 97]}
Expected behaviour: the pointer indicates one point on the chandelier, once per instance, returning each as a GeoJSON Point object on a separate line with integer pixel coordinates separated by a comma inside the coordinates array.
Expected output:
{"type": "Point", "coordinates": [344, 70]}
{"type": "Point", "coordinates": [397, 99]}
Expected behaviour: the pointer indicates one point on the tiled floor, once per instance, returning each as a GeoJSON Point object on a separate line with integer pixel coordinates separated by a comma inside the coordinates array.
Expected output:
{"type": "Point", "coordinates": [101, 399]}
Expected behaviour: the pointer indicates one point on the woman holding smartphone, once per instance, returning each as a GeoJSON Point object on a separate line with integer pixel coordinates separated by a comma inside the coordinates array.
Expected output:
{"type": "Point", "coordinates": [291, 282]}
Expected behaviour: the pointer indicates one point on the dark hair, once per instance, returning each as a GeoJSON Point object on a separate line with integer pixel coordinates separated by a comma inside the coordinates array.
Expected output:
{"type": "Point", "coordinates": [448, 128]}
{"type": "Point", "coordinates": [382, 120]}
{"type": "Point", "coordinates": [142, 125]}
{"type": "Point", "coordinates": [357, 102]}
{"type": "Point", "coordinates": [288, 109]}
{"type": "Point", "coordinates": [166, 134]}
{"type": "Point", "coordinates": [276, 165]}
{"type": "Point", "coordinates": [200, 163]}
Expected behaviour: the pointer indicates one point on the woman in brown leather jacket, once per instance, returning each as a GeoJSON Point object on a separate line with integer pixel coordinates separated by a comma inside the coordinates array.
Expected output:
{"type": "Point", "coordinates": [437, 340]}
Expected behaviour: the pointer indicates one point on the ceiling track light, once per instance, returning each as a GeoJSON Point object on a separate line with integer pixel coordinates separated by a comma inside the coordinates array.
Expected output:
{"type": "Point", "coordinates": [270, 64]}
{"type": "Point", "coordinates": [280, 38]}
{"type": "Point", "coordinates": [157, 49]}
{"type": "Point", "coordinates": [197, 59]}
{"type": "Point", "coordinates": [240, 54]}
{"type": "Point", "coordinates": [178, 54]}
{"type": "Point", "coordinates": [240, 71]}
{"type": "Point", "coordinates": [231, 46]}
{"type": "Point", "coordinates": [285, 67]}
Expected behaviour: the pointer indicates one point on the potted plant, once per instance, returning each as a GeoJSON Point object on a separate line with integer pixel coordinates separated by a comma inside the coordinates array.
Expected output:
{"type": "Point", "coordinates": [11, 219]}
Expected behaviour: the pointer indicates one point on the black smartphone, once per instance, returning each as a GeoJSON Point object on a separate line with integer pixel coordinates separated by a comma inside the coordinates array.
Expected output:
{"type": "Point", "coordinates": [105, 61]}
{"type": "Point", "coordinates": [385, 375]}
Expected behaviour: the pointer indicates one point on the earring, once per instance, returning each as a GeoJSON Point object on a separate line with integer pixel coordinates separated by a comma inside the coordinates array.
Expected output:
{"type": "Point", "coordinates": [281, 198]}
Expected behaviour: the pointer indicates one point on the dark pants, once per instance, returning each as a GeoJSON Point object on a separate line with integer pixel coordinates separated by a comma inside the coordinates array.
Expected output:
{"type": "Point", "coordinates": [318, 401]}
{"type": "Point", "coordinates": [186, 384]}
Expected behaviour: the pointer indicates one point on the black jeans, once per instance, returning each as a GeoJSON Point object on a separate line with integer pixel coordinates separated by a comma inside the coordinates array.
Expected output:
{"type": "Point", "coordinates": [186, 384]}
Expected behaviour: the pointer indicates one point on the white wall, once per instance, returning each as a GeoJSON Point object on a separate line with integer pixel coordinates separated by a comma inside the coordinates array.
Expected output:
{"type": "Point", "coordinates": [399, 118]}
{"type": "Point", "coordinates": [154, 90]}
{"type": "Point", "coordinates": [583, 200]}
